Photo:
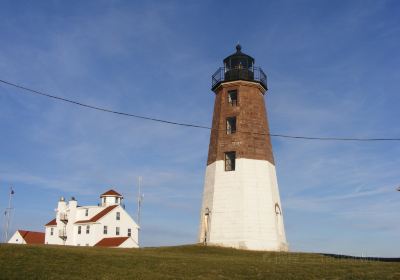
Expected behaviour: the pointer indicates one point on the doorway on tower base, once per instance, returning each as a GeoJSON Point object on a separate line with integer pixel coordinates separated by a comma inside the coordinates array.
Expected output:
{"type": "Point", "coordinates": [206, 222]}
{"type": "Point", "coordinates": [279, 220]}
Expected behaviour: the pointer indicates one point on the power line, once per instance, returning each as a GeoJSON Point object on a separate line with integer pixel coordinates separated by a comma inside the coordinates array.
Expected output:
{"type": "Point", "coordinates": [36, 92]}
{"type": "Point", "coordinates": [333, 138]}
{"type": "Point", "coordinates": [28, 90]}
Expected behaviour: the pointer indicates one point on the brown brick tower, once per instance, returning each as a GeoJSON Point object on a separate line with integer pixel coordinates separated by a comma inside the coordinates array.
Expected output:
{"type": "Point", "coordinates": [241, 205]}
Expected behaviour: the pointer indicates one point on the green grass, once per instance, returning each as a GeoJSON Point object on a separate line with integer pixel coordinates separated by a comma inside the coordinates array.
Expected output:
{"type": "Point", "coordinates": [181, 262]}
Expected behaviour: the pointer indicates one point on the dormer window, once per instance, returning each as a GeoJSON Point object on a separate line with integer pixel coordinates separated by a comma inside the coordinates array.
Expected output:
{"type": "Point", "coordinates": [116, 200]}
{"type": "Point", "coordinates": [104, 200]}
{"type": "Point", "coordinates": [232, 97]}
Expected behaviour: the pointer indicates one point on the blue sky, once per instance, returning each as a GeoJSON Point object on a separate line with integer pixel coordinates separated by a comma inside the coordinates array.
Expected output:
{"type": "Point", "coordinates": [333, 70]}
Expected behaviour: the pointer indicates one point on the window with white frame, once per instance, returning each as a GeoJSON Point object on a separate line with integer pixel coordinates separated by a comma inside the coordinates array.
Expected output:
{"type": "Point", "coordinates": [129, 232]}
{"type": "Point", "coordinates": [117, 231]}
{"type": "Point", "coordinates": [118, 216]}
{"type": "Point", "coordinates": [51, 231]}
{"type": "Point", "coordinates": [87, 229]}
{"type": "Point", "coordinates": [79, 229]}
{"type": "Point", "coordinates": [105, 230]}
{"type": "Point", "coordinates": [86, 212]}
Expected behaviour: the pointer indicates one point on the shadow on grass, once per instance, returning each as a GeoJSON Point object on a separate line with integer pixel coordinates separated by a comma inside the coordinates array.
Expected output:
{"type": "Point", "coordinates": [346, 257]}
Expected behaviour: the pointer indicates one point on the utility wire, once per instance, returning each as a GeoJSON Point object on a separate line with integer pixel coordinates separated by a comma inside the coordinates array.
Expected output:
{"type": "Point", "coordinates": [32, 91]}
{"type": "Point", "coordinates": [36, 92]}
{"type": "Point", "coordinates": [333, 138]}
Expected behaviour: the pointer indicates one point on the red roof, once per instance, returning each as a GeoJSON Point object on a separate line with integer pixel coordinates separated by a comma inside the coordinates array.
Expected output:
{"type": "Point", "coordinates": [51, 223]}
{"type": "Point", "coordinates": [32, 237]}
{"type": "Point", "coordinates": [111, 193]}
{"type": "Point", "coordinates": [98, 216]}
{"type": "Point", "coordinates": [111, 242]}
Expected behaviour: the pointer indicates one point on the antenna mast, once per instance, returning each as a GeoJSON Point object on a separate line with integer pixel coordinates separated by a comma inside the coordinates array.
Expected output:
{"type": "Point", "coordinates": [7, 215]}
{"type": "Point", "coordinates": [139, 199]}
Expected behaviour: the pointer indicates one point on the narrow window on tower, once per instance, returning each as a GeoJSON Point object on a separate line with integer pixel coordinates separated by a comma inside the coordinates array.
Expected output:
{"type": "Point", "coordinates": [230, 158]}
{"type": "Point", "coordinates": [230, 125]}
{"type": "Point", "coordinates": [232, 97]}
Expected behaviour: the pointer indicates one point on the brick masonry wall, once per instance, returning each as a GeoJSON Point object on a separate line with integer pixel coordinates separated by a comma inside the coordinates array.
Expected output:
{"type": "Point", "coordinates": [251, 139]}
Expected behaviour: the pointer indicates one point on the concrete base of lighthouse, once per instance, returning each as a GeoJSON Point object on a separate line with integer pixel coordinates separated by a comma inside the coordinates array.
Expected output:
{"type": "Point", "coordinates": [242, 208]}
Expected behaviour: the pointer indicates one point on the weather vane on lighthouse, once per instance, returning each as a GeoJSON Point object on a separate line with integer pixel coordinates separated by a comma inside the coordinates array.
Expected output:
{"type": "Point", "coordinates": [241, 205]}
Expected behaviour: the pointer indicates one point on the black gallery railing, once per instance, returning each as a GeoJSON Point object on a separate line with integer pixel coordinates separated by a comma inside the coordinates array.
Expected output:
{"type": "Point", "coordinates": [247, 74]}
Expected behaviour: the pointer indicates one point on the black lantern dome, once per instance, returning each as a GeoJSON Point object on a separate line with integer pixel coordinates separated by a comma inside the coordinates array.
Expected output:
{"type": "Point", "coordinates": [239, 66]}
{"type": "Point", "coordinates": [239, 60]}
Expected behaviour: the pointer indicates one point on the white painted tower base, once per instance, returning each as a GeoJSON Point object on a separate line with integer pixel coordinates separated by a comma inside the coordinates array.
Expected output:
{"type": "Point", "coordinates": [244, 208]}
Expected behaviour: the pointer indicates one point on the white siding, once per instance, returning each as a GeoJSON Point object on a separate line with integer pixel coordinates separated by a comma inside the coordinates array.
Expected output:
{"type": "Point", "coordinates": [16, 238]}
{"type": "Point", "coordinates": [242, 206]}
{"type": "Point", "coordinates": [52, 239]}
{"type": "Point", "coordinates": [129, 243]}
{"type": "Point", "coordinates": [110, 200]}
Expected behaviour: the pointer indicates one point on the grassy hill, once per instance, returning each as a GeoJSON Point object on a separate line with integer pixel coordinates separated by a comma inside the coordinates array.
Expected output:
{"type": "Point", "coordinates": [181, 262]}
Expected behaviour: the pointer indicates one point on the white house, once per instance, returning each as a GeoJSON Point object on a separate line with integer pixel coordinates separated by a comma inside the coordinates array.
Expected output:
{"type": "Point", "coordinates": [27, 237]}
{"type": "Point", "coordinates": [107, 224]}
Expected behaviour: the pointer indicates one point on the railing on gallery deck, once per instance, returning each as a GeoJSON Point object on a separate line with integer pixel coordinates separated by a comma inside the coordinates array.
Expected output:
{"type": "Point", "coordinates": [255, 74]}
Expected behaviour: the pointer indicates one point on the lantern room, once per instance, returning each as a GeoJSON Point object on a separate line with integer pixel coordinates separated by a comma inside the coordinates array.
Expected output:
{"type": "Point", "coordinates": [239, 66]}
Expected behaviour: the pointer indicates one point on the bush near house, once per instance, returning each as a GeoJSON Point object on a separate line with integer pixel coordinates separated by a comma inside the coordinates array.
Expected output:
{"type": "Point", "coordinates": [181, 262]}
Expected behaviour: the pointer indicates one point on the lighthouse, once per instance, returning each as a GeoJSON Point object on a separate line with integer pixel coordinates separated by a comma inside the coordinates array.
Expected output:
{"type": "Point", "coordinates": [241, 206]}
